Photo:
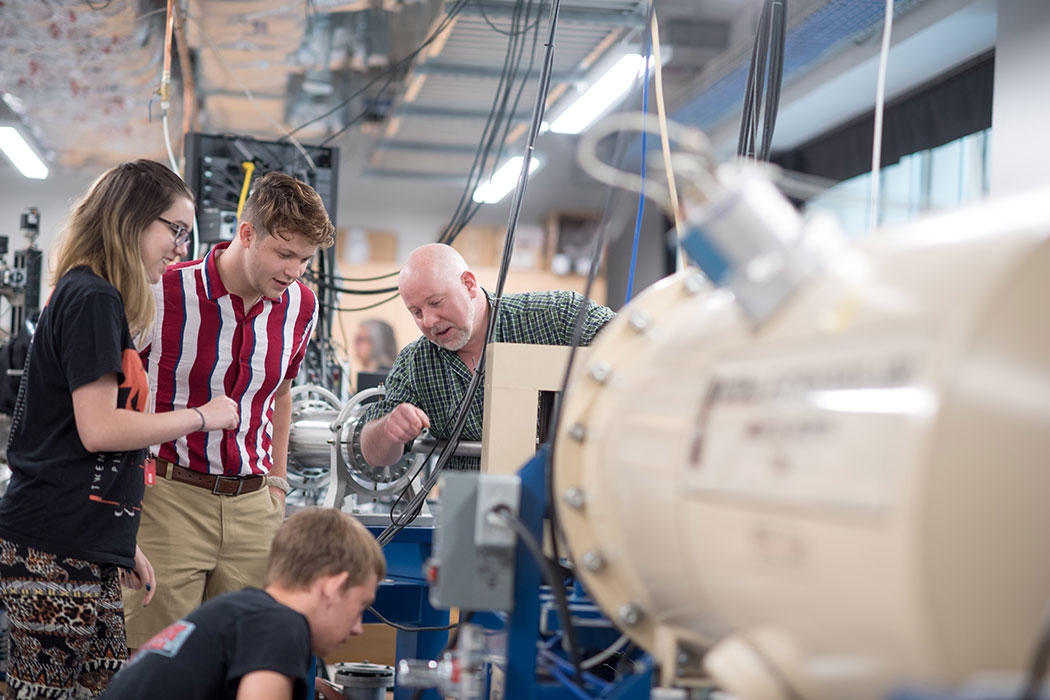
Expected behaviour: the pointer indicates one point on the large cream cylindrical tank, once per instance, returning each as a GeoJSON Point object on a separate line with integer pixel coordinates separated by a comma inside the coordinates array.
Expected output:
{"type": "Point", "coordinates": [848, 497]}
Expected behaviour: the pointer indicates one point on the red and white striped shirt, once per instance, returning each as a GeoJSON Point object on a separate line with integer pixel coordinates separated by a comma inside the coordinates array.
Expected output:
{"type": "Point", "coordinates": [205, 344]}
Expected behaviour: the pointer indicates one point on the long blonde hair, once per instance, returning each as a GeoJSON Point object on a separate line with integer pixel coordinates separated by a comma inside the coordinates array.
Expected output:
{"type": "Point", "coordinates": [105, 227]}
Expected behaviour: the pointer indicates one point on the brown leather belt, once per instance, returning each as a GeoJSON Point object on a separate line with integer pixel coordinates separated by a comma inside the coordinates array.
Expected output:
{"type": "Point", "coordinates": [219, 485]}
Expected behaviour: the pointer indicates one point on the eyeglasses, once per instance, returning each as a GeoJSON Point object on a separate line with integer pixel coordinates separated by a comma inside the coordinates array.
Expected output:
{"type": "Point", "coordinates": [180, 232]}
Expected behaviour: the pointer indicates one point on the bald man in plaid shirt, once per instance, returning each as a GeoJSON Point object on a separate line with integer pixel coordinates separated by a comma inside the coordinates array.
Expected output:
{"type": "Point", "coordinates": [430, 376]}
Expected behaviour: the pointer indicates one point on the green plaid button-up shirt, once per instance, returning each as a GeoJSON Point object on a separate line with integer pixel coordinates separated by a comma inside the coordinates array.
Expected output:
{"type": "Point", "coordinates": [436, 380]}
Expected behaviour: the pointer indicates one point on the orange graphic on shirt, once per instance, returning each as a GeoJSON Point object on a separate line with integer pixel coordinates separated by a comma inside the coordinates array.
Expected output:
{"type": "Point", "coordinates": [133, 392]}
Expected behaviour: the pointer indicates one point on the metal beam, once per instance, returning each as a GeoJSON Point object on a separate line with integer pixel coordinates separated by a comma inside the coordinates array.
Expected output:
{"type": "Point", "coordinates": [229, 92]}
{"type": "Point", "coordinates": [573, 15]}
{"type": "Point", "coordinates": [414, 110]}
{"type": "Point", "coordinates": [683, 33]}
{"type": "Point", "coordinates": [427, 146]}
{"type": "Point", "coordinates": [493, 72]}
{"type": "Point", "coordinates": [415, 175]}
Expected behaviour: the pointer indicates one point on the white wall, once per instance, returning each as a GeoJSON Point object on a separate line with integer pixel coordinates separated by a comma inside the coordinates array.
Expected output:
{"type": "Point", "coordinates": [1020, 146]}
{"type": "Point", "coordinates": [53, 197]}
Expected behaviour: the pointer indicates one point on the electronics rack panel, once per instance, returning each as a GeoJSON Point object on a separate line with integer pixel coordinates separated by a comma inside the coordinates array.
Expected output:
{"type": "Point", "coordinates": [215, 171]}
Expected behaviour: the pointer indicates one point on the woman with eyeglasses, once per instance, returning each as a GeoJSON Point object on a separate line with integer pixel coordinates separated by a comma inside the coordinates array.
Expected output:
{"type": "Point", "coordinates": [79, 435]}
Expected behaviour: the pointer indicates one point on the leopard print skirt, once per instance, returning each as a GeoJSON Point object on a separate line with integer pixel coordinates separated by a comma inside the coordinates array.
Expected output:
{"type": "Point", "coordinates": [66, 620]}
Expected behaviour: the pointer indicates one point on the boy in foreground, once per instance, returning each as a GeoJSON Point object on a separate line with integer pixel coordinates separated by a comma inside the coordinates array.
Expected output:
{"type": "Point", "coordinates": [323, 571]}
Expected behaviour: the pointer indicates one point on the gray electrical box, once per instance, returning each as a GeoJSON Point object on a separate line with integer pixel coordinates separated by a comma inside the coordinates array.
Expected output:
{"type": "Point", "coordinates": [461, 572]}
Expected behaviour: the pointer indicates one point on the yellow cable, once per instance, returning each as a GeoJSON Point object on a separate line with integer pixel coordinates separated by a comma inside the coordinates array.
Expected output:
{"type": "Point", "coordinates": [249, 168]}
{"type": "Point", "coordinates": [664, 141]}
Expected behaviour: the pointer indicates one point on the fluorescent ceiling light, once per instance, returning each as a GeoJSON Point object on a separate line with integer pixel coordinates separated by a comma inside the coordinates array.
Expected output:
{"type": "Point", "coordinates": [503, 180]}
{"type": "Point", "coordinates": [600, 96]}
{"type": "Point", "coordinates": [20, 154]}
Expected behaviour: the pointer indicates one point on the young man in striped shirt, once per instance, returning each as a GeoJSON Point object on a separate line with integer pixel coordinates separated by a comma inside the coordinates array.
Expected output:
{"type": "Point", "coordinates": [237, 322]}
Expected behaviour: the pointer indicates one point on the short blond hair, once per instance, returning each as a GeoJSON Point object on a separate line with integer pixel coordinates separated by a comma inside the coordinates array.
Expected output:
{"type": "Point", "coordinates": [280, 205]}
{"type": "Point", "coordinates": [320, 542]}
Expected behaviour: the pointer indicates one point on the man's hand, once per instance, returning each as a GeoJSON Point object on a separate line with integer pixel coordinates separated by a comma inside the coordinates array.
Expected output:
{"type": "Point", "coordinates": [404, 423]}
{"type": "Point", "coordinates": [280, 494]}
{"type": "Point", "coordinates": [383, 440]}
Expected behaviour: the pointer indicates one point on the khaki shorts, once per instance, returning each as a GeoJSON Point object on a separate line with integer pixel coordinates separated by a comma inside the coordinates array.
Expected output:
{"type": "Point", "coordinates": [200, 545]}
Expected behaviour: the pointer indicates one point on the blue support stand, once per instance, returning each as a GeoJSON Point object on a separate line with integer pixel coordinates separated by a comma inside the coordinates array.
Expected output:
{"type": "Point", "coordinates": [404, 599]}
{"type": "Point", "coordinates": [523, 631]}
{"type": "Point", "coordinates": [534, 668]}
{"type": "Point", "coordinates": [524, 637]}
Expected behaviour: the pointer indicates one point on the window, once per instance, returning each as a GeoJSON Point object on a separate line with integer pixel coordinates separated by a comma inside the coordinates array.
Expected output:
{"type": "Point", "coordinates": [944, 177]}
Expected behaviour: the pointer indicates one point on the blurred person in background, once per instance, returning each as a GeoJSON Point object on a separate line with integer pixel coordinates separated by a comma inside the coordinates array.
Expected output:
{"type": "Point", "coordinates": [375, 345]}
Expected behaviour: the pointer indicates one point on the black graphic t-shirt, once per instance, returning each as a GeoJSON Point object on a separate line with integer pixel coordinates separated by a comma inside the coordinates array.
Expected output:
{"type": "Point", "coordinates": [205, 655]}
{"type": "Point", "coordinates": [62, 498]}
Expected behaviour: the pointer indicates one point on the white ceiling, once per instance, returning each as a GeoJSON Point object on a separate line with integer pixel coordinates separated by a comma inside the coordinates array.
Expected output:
{"type": "Point", "coordinates": [84, 78]}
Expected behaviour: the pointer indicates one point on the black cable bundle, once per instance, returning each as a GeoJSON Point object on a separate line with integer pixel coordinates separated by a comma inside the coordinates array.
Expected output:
{"type": "Point", "coordinates": [1038, 665]}
{"type": "Point", "coordinates": [765, 73]}
{"type": "Point", "coordinates": [525, 19]}
{"type": "Point", "coordinates": [326, 293]}
{"type": "Point", "coordinates": [501, 115]}
{"type": "Point", "coordinates": [402, 519]}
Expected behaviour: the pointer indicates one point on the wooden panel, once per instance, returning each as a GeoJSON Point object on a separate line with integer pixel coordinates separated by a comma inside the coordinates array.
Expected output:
{"type": "Point", "coordinates": [514, 377]}
{"type": "Point", "coordinates": [382, 246]}
{"type": "Point", "coordinates": [479, 246]}
{"type": "Point", "coordinates": [375, 646]}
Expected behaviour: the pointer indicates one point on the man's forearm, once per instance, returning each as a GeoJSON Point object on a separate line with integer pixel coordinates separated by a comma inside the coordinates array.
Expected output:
{"type": "Point", "coordinates": [378, 449]}
{"type": "Point", "coordinates": [282, 425]}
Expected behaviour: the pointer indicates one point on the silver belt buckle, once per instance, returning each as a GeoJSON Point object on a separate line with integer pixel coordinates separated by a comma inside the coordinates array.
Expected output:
{"type": "Point", "coordinates": [219, 479]}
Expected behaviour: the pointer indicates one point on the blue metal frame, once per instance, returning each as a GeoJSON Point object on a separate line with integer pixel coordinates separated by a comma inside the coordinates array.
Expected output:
{"type": "Point", "coordinates": [523, 631]}
{"type": "Point", "coordinates": [526, 644]}
{"type": "Point", "coordinates": [403, 599]}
